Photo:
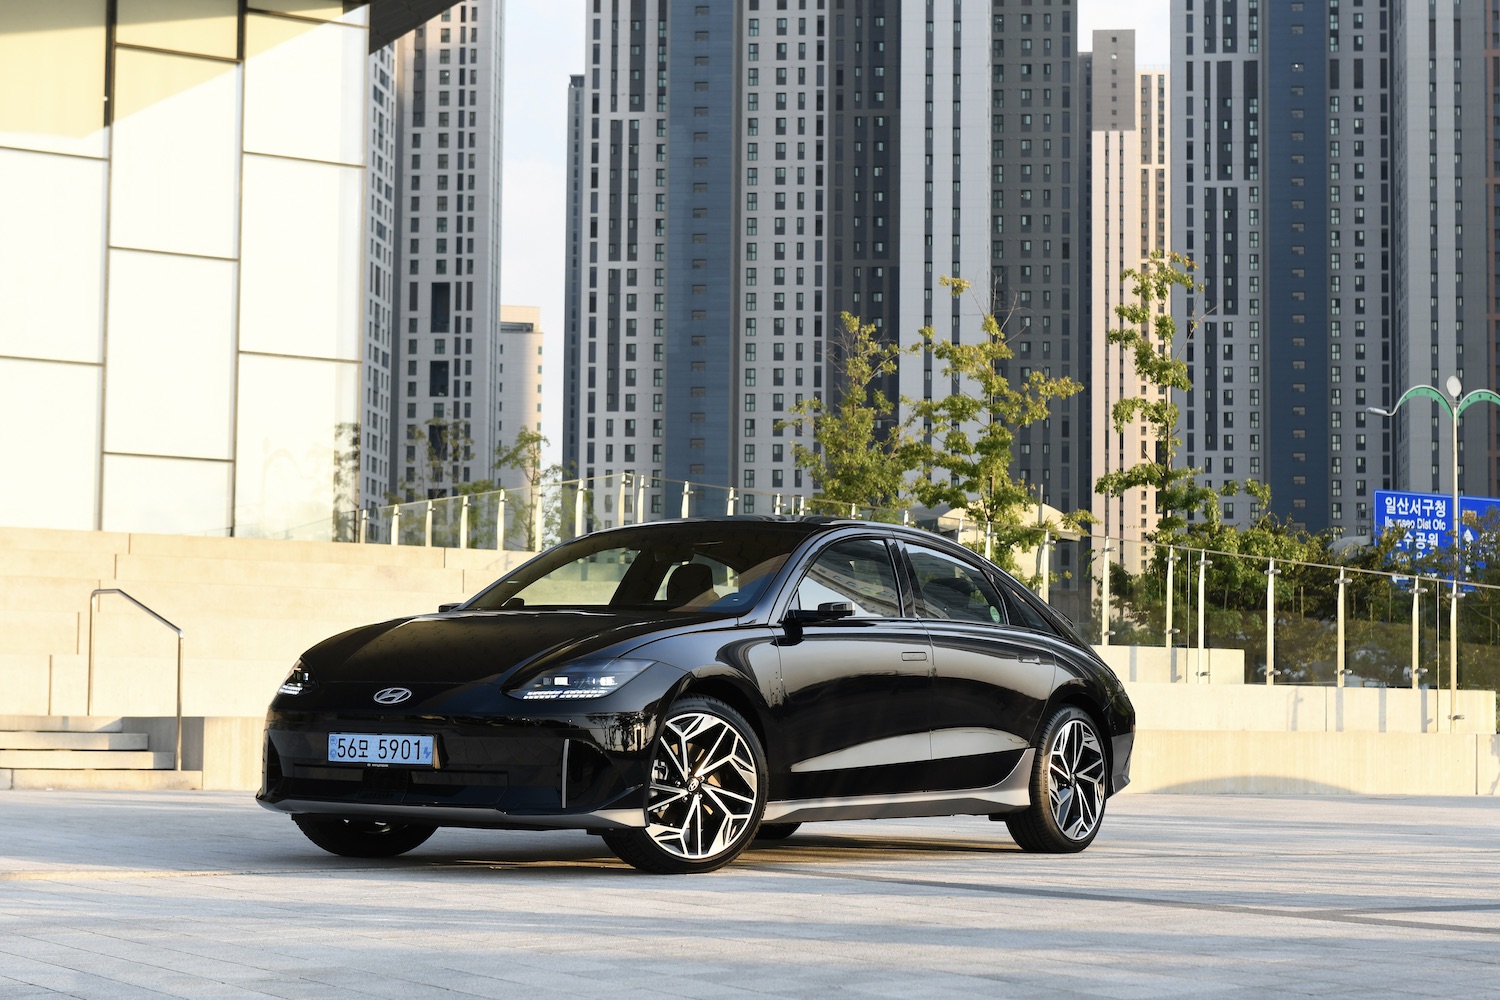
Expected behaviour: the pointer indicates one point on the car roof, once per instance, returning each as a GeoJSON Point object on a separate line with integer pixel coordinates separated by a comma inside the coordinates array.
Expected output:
{"type": "Point", "coordinates": [810, 524]}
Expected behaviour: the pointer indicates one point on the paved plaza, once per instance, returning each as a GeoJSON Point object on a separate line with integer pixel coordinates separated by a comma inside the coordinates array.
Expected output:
{"type": "Point", "coordinates": [193, 894]}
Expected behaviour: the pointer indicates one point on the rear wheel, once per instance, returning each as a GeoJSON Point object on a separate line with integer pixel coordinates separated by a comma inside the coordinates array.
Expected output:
{"type": "Point", "coordinates": [776, 831]}
{"type": "Point", "coordinates": [361, 838]}
{"type": "Point", "coordinates": [1068, 787]}
{"type": "Point", "coordinates": [707, 792]}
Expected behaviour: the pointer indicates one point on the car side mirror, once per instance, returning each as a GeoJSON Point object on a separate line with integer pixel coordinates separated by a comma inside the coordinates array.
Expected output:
{"type": "Point", "coordinates": [827, 611]}
{"type": "Point", "coordinates": [445, 608]}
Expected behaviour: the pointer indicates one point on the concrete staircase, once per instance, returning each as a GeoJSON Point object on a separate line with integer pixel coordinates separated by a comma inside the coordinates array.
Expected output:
{"type": "Point", "coordinates": [81, 752]}
{"type": "Point", "coordinates": [247, 608]}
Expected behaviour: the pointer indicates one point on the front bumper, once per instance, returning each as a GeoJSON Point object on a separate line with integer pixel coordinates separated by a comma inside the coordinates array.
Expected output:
{"type": "Point", "coordinates": [587, 772]}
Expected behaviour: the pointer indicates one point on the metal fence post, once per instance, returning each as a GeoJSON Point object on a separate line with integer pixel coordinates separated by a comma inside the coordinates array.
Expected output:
{"type": "Point", "coordinates": [500, 523]}
{"type": "Point", "coordinates": [1339, 669]}
{"type": "Point", "coordinates": [1044, 591]}
{"type": "Point", "coordinates": [536, 518]}
{"type": "Point", "coordinates": [578, 509]}
{"type": "Point", "coordinates": [1416, 670]}
{"type": "Point", "coordinates": [1271, 574]}
{"type": "Point", "coordinates": [364, 524]}
{"type": "Point", "coordinates": [687, 495]}
{"type": "Point", "coordinates": [1104, 609]}
{"type": "Point", "coordinates": [1167, 630]}
{"type": "Point", "coordinates": [427, 532]}
{"type": "Point", "coordinates": [1203, 564]}
{"type": "Point", "coordinates": [395, 524]}
{"type": "Point", "coordinates": [463, 523]}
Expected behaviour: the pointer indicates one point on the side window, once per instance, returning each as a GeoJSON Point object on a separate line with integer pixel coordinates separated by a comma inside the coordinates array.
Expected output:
{"type": "Point", "coordinates": [857, 571]}
{"type": "Point", "coordinates": [1022, 612]}
{"type": "Point", "coordinates": [949, 588]}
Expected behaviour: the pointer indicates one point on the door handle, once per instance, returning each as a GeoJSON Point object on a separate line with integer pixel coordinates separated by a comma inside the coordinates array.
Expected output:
{"type": "Point", "coordinates": [914, 655]}
{"type": "Point", "coordinates": [1031, 659]}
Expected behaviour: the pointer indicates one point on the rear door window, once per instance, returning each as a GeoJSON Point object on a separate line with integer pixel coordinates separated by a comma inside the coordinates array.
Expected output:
{"type": "Point", "coordinates": [949, 588]}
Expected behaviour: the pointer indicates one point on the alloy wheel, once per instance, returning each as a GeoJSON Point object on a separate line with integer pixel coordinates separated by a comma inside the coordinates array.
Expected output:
{"type": "Point", "coordinates": [704, 787]}
{"type": "Point", "coordinates": [1076, 770]}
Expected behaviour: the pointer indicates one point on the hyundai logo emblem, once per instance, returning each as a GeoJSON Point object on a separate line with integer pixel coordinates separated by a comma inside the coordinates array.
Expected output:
{"type": "Point", "coordinates": [392, 696]}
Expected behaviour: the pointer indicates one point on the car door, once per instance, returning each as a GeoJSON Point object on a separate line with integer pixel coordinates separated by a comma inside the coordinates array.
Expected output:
{"type": "Point", "coordinates": [857, 688]}
{"type": "Point", "coordinates": [990, 681]}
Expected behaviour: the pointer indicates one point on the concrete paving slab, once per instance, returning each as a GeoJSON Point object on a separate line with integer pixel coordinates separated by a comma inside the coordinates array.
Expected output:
{"type": "Point", "coordinates": [201, 894]}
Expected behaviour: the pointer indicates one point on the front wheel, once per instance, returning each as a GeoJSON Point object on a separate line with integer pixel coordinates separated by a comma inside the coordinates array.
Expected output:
{"type": "Point", "coordinates": [707, 792]}
{"type": "Point", "coordinates": [361, 838]}
{"type": "Point", "coordinates": [1068, 787]}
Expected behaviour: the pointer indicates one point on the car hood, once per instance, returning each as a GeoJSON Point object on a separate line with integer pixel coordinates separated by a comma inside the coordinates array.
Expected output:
{"type": "Point", "coordinates": [467, 646]}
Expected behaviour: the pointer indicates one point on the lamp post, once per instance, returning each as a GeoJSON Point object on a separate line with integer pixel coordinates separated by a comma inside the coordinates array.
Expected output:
{"type": "Point", "coordinates": [1455, 408]}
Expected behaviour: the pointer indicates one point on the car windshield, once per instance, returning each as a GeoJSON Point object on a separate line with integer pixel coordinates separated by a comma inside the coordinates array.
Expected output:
{"type": "Point", "coordinates": [690, 566]}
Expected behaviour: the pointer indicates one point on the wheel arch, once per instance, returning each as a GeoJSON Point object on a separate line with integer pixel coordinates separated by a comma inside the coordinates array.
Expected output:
{"type": "Point", "coordinates": [1077, 696]}
{"type": "Point", "coordinates": [736, 696]}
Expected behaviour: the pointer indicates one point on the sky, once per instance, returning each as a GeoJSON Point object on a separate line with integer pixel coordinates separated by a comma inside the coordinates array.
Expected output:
{"type": "Point", "coordinates": [544, 44]}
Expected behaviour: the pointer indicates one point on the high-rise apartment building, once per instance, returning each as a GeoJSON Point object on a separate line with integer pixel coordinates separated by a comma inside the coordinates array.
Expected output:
{"type": "Point", "coordinates": [573, 278]}
{"type": "Point", "coordinates": [370, 449]}
{"type": "Point", "coordinates": [1129, 211]}
{"type": "Point", "coordinates": [1038, 233]}
{"type": "Point", "coordinates": [445, 359]}
{"type": "Point", "coordinates": [700, 254]}
{"type": "Point", "coordinates": [1285, 201]}
{"type": "Point", "coordinates": [750, 171]}
{"type": "Point", "coordinates": [1444, 309]}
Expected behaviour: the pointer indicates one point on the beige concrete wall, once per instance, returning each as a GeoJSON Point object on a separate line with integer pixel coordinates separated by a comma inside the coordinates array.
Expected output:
{"type": "Point", "coordinates": [1316, 763]}
{"type": "Point", "coordinates": [23, 681]}
{"type": "Point", "coordinates": [1297, 708]}
{"type": "Point", "coordinates": [227, 751]}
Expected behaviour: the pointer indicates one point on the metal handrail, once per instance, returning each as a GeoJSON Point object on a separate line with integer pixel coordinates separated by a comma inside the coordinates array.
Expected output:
{"type": "Point", "coordinates": [93, 600]}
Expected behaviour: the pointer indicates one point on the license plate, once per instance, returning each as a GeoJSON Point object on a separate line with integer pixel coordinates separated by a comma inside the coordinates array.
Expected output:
{"type": "Point", "coordinates": [379, 748]}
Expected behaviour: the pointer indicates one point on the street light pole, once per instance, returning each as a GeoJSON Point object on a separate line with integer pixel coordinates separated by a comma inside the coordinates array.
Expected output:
{"type": "Point", "coordinates": [1455, 409]}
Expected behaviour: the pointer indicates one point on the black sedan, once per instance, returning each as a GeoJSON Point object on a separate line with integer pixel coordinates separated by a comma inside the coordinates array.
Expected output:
{"type": "Point", "coordinates": [686, 687]}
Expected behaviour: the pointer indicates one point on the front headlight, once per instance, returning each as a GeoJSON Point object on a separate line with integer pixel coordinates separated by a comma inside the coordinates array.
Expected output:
{"type": "Point", "coordinates": [297, 681]}
{"type": "Point", "coordinates": [583, 679]}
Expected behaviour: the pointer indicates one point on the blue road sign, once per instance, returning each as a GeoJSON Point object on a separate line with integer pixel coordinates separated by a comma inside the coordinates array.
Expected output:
{"type": "Point", "coordinates": [1425, 520]}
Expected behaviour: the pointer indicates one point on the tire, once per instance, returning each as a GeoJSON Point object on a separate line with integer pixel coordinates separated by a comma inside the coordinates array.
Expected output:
{"type": "Point", "coordinates": [1069, 785]}
{"type": "Point", "coordinates": [706, 794]}
{"type": "Point", "coordinates": [776, 831]}
{"type": "Point", "coordinates": [362, 838]}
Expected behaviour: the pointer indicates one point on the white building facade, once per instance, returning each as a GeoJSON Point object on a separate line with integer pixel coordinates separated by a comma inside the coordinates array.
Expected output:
{"type": "Point", "coordinates": [181, 296]}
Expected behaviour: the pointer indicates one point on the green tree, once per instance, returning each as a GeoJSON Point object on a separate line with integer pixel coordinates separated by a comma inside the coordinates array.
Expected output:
{"type": "Point", "coordinates": [527, 500]}
{"type": "Point", "coordinates": [523, 454]}
{"type": "Point", "coordinates": [529, 481]}
{"type": "Point", "coordinates": [968, 455]}
{"type": "Point", "coordinates": [1148, 333]}
{"type": "Point", "coordinates": [861, 452]}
